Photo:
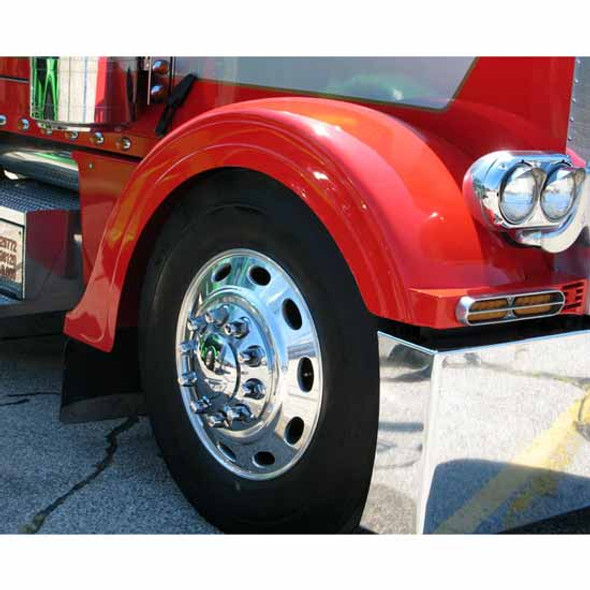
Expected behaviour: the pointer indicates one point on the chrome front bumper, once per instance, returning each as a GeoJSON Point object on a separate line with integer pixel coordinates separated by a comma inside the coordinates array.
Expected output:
{"type": "Point", "coordinates": [482, 439]}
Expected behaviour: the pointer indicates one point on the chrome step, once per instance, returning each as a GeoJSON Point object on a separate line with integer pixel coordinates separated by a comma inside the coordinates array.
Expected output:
{"type": "Point", "coordinates": [54, 167]}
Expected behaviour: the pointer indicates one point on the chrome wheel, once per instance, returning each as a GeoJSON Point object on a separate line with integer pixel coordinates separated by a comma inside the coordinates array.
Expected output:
{"type": "Point", "coordinates": [249, 364]}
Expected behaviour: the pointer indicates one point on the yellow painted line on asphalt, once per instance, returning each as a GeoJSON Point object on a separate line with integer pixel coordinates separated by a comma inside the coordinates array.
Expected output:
{"type": "Point", "coordinates": [552, 451]}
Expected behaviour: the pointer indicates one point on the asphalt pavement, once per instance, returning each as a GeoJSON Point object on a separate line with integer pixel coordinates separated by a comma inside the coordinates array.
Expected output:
{"type": "Point", "coordinates": [102, 477]}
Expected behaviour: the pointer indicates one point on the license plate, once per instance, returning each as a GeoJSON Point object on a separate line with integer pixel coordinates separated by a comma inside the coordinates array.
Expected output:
{"type": "Point", "coordinates": [11, 258]}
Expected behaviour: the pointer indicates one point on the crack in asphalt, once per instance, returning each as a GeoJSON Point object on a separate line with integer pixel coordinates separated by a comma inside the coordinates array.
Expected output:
{"type": "Point", "coordinates": [17, 403]}
{"type": "Point", "coordinates": [25, 397]}
{"type": "Point", "coordinates": [34, 526]}
{"type": "Point", "coordinates": [32, 394]}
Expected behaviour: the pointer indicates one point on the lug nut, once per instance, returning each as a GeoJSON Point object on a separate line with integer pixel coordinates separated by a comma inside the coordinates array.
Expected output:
{"type": "Point", "coordinates": [251, 356]}
{"type": "Point", "coordinates": [188, 346]}
{"type": "Point", "coordinates": [188, 379]}
{"type": "Point", "coordinates": [217, 316]}
{"type": "Point", "coordinates": [238, 328]}
{"type": "Point", "coordinates": [237, 413]}
{"type": "Point", "coordinates": [196, 323]}
{"type": "Point", "coordinates": [254, 389]}
{"type": "Point", "coordinates": [199, 406]}
{"type": "Point", "coordinates": [216, 420]}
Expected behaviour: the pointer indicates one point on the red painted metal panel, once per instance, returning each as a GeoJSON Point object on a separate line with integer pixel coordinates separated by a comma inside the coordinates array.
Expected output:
{"type": "Point", "coordinates": [102, 179]}
{"type": "Point", "coordinates": [387, 188]}
{"type": "Point", "coordinates": [14, 67]}
{"type": "Point", "coordinates": [389, 195]}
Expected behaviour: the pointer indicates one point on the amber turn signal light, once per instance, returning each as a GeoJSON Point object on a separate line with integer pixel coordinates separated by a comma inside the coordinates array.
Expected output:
{"type": "Point", "coordinates": [506, 308]}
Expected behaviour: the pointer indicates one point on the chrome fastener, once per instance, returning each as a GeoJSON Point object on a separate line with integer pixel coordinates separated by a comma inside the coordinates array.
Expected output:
{"type": "Point", "coordinates": [188, 379]}
{"type": "Point", "coordinates": [237, 413]}
{"type": "Point", "coordinates": [199, 406]}
{"type": "Point", "coordinates": [216, 420]}
{"type": "Point", "coordinates": [251, 356]}
{"type": "Point", "coordinates": [254, 389]}
{"type": "Point", "coordinates": [157, 92]}
{"type": "Point", "coordinates": [196, 323]}
{"type": "Point", "coordinates": [237, 328]}
{"type": "Point", "coordinates": [124, 144]}
{"type": "Point", "coordinates": [217, 316]}
{"type": "Point", "coordinates": [97, 138]}
{"type": "Point", "coordinates": [188, 346]}
{"type": "Point", "coordinates": [161, 67]}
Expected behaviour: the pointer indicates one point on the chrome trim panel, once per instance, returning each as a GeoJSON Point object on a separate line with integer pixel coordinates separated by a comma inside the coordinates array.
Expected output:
{"type": "Point", "coordinates": [465, 303]}
{"type": "Point", "coordinates": [578, 133]}
{"type": "Point", "coordinates": [49, 273]}
{"type": "Point", "coordinates": [82, 92]}
{"type": "Point", "coordinates": [481, 439]}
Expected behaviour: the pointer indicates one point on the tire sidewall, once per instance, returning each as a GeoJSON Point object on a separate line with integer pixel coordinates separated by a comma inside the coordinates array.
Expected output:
{"type": "Point", "coordinates": [329, 482]}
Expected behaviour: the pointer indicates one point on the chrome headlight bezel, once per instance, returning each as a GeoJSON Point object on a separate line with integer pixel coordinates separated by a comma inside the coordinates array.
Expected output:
{"type": "Point", "coordinates": [487, 178]}
{"type": "Point", "coordinates": [537, 176]}
{"type": "Point", "coordinates": [560, 174]}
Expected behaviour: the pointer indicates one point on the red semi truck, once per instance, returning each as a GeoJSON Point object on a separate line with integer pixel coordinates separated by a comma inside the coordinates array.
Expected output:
{"type": "Point", "coordinates": [345, 290]}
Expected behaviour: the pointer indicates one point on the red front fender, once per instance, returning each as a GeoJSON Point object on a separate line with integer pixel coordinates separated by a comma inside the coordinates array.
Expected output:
{"type": "Point", "coordinates": [389, 196]}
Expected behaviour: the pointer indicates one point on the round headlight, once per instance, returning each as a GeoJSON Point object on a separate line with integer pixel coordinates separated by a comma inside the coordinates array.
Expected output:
{"type": "Point", "coordinates": [517, 199]}
{"type": "Point", "coordinates": [559, 192]}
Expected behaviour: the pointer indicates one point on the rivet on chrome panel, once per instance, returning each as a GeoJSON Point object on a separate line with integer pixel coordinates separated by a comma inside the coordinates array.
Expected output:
{"type": "Point", "coordinates": [72, 135]}
{"type": "Point", "coordinates": [97, 138]}
{"type": "Point", "coordinates": [161, 67]}
{"type": "Point", "coordinates": [124, 143]}
{"type": "Point", "coordinates": [3, 120]}
{"type": "Point", "coordinates": [23, 124]}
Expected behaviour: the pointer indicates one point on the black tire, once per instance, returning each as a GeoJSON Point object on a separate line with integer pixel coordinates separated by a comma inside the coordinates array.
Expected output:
{"type": "Point", "coordinates": [325, 490]}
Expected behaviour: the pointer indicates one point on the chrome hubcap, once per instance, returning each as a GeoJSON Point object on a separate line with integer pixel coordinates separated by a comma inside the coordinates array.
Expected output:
{"type": "Point", "coordinates": [249, 364]}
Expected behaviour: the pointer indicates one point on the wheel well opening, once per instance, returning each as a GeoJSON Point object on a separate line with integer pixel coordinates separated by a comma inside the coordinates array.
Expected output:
{"type": "Point", "coordinates": [219, 178]}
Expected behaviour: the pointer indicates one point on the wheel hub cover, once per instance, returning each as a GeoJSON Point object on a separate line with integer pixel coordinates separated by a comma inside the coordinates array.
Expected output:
{"type": "Point", "coordinates": [249, 364]}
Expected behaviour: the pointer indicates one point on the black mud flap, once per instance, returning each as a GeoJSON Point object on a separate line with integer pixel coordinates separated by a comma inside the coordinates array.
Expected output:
{"type": "Point", "coordinates": [101, 386]}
